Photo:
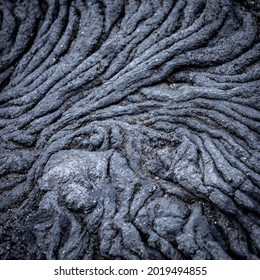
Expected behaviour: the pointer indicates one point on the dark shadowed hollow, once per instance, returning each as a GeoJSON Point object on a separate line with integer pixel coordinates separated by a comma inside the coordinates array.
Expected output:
{"type": "Point", "coordinates": [129, 129]}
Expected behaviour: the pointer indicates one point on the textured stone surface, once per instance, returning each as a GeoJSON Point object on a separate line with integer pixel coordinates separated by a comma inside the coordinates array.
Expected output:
{"type": "Point", "coordinates": [129, 129]}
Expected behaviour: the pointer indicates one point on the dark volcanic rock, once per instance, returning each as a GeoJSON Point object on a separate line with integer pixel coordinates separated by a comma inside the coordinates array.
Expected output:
{"type": "Point", "coordinates": [129, 129]}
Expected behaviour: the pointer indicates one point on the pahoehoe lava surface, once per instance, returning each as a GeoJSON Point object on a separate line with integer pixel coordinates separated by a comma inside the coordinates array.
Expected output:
{"type": "Point", "coordinates": [129, 129]}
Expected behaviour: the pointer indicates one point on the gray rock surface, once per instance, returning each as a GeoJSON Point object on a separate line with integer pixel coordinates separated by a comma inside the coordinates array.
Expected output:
{"type": "Point", "coordinates": [129, 129]}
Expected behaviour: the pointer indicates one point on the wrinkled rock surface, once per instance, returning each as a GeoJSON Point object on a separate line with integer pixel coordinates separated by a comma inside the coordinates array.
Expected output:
{"type": "Point", "coordinates": [129, 129]}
